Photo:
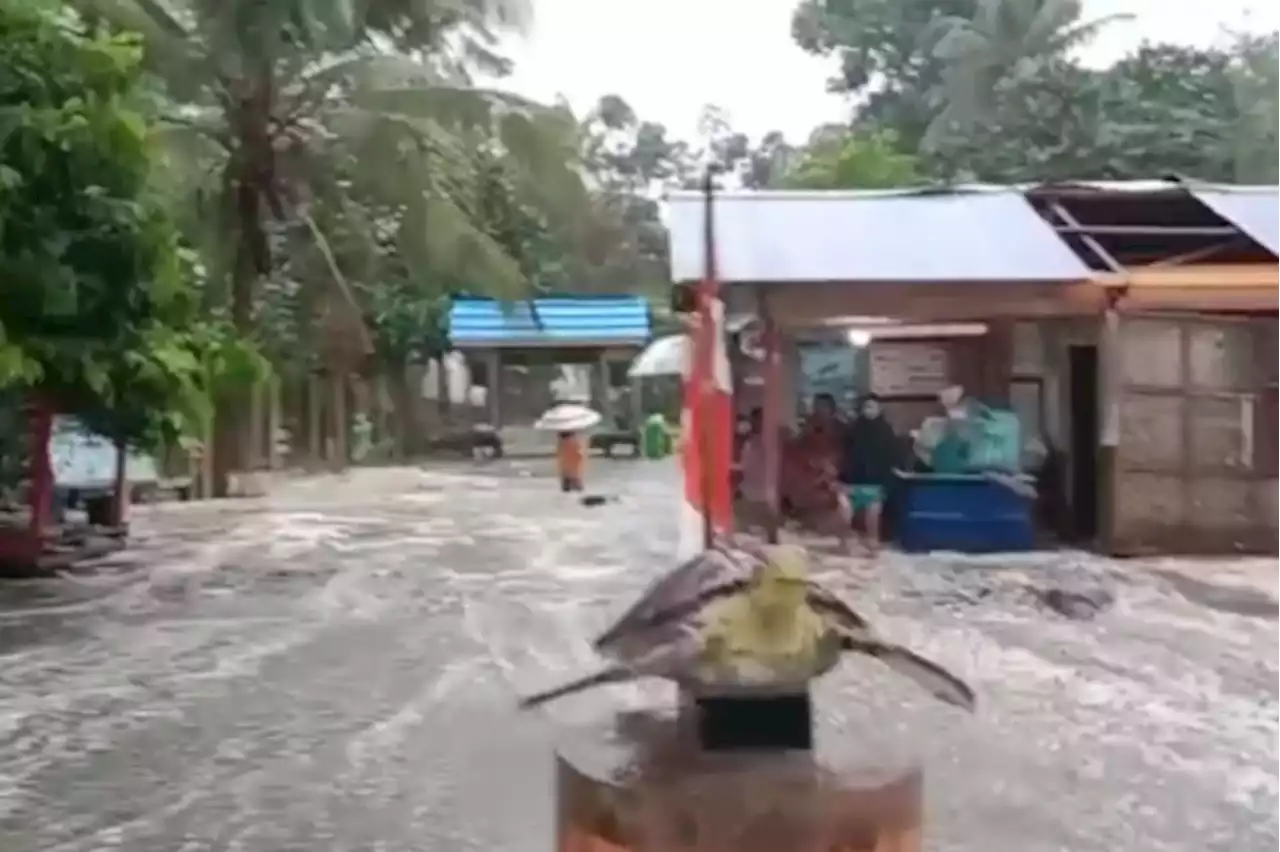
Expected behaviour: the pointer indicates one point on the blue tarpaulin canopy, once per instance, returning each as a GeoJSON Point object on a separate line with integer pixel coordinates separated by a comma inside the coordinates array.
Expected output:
{"type": "Point", "coordinates": [582, 321]}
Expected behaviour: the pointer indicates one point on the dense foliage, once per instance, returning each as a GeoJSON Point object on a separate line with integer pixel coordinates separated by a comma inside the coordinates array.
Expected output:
{"type": "Point", "coordinates": [995, 90]}
{"type": "Point", "coordinates": [99, 315]}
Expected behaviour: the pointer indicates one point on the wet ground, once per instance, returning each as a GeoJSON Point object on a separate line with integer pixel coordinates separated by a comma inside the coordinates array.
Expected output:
{"type": "Point", "coordinates": [334, 668]}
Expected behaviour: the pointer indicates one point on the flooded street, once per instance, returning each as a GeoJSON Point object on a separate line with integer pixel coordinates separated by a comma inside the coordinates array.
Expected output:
{"type": "Point", "coordinates": [335, 668]}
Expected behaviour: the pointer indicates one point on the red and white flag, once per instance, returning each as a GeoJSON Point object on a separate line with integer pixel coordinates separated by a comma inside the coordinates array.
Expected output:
{"type": "Point", "coordinates": [706, 509]}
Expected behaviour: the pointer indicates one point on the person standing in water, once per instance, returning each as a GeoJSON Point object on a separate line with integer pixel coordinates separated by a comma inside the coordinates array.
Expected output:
{"type": "Point", "coordinates": [570, 460]}
{"type": "Point", "coordinates": [869, 455]}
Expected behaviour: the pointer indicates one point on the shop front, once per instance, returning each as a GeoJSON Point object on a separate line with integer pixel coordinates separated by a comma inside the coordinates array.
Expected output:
{"type": "Point", "coordinates": [1030, 299]}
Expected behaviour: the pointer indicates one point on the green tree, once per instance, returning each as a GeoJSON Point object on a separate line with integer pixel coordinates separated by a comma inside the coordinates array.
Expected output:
{"type": "Point", "coordinates": [628, 162]}
{"type": "Point", "coordinates": [852, 161]}
{"type": "Point", "coordinates": [1255, 75]}
{"type": "Point", "coordinates": [884, 62]}
{"type": "Point", "coordinates": [1168, 105]}
{"type": "Point", "coordinates": [1002, 41]}
{"type": "Point", "coordinates": [272, 102]}
{"type": "Point", "coordinates": [99, 318]}
{"type": "Point", "coordinates": [1164, 109]}
{"type": "Point", "coordinates": [991, 90]}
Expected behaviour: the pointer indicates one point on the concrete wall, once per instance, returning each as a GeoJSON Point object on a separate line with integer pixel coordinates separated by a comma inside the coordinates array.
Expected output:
{"type": "Point", "coordinates": [1195, 462]}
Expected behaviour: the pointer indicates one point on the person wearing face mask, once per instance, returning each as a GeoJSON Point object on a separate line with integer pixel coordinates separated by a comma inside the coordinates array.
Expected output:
{"type": "Point", "coordinates": [869, 456]}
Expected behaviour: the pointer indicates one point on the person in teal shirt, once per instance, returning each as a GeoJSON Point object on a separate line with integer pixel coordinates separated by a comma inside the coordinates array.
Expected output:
{"type": "Point", "coordinates": [868, 457]}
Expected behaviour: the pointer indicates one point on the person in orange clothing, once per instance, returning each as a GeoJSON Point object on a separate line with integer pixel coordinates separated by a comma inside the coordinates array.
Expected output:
{"type": "Point", "coordinates": [571, 458]}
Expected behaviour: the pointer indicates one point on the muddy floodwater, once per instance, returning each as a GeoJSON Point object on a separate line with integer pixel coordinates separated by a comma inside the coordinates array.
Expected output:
{"type": "Point", "coordinates": [335, 668]}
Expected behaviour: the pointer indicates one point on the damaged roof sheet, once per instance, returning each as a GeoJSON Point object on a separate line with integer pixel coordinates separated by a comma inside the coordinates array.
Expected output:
{"type": "Point", "coordinates": [876, 236]}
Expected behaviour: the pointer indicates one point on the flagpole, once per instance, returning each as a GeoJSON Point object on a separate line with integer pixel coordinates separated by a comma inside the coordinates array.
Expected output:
{"type": "Point", "coordinates": [705, 353]}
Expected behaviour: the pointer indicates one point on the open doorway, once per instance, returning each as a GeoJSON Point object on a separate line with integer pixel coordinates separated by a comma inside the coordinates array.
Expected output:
{"type": "Point", "coordinates": [1082, 405]}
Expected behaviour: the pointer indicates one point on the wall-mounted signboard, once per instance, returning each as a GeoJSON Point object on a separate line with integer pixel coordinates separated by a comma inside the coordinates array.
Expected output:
{"type": "Point", "coordinates": [912, 368]}
{"type": "Point", "coordinates": [827, 368]}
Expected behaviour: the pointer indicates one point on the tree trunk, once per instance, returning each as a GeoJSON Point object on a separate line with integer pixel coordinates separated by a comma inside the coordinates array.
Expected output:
{"type": "Point", "coordinates": [247, 183]}
{"type": "Point", "coordinates": [230, 422]}
{"type": "Point", "coordinates": [315, 421]}
{"type": "Point", "coordinates": [382, 412]}
{"type": "Point", "coordinates": [276, 453]}
{"type": "Point", "coordinates": [202, 469]}
{"type": "Point", "coordinates": [119, 506]}
{"type": "Point", "coordinates": [338, 409]}
{"type": "Point", "coordinates": [443, 390]}
{"type": "Point", "coordinates": [255, 451]}
{"type": "Point", "coordinates": [403, 415]}
{"type": "Point", "coordinates": [41, 498]}
{"type": "Point", "coordinates": [420, 415]}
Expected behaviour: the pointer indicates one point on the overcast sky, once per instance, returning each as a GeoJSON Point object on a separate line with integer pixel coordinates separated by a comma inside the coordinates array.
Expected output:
{"type": "Point", "coordinates": [670, 57]}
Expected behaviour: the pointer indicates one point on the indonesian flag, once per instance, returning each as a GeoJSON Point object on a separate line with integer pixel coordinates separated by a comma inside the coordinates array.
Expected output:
{"type": "Point", "coordinates": [706, 510]}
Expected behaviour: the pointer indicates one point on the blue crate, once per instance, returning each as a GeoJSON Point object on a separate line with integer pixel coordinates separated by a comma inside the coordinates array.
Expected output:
{"type": "Point", "coordinates": [962, 512]}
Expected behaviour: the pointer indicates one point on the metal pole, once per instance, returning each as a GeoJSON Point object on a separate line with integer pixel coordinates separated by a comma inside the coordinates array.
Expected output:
{"type": "Point", "coordinates": [704, 352]}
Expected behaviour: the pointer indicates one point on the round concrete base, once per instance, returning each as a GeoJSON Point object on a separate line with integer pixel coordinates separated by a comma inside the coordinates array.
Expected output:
{"type": "Point", "coordinates": [661, 793]}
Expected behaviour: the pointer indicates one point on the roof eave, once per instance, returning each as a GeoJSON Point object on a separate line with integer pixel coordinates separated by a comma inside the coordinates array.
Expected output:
{"type": "Point", "coordinates": [543, 343]}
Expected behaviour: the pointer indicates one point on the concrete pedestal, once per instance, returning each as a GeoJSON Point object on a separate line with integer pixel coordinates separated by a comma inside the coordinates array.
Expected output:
{"type": "Point", "coordinates": [647, 786]}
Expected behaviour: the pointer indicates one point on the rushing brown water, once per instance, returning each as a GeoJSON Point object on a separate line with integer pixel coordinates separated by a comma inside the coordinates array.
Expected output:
{"type": "Point", "coordinates": [336, 668]}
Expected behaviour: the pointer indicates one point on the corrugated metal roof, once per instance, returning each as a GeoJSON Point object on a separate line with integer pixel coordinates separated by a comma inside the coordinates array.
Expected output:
{"type": "Point", "coordinates": [1254, 210]}
{"type": "Point", "coordinates": [889, 236]}
{"type": "Point", "coordinates": [580, 321]}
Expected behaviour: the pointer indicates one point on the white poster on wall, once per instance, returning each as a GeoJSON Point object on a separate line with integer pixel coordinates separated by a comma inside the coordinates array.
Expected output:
{"type": "Point", "coordinates": [829, 369]}
{"type": "Point", "coordinates": [909, 368]}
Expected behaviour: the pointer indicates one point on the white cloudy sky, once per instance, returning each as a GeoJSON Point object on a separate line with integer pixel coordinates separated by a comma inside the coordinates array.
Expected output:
{"type": "Point", "coordinates": [669, 57]}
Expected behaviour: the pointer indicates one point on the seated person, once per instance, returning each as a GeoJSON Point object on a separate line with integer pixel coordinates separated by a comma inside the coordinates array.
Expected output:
{"type": "Point", "coordinates": [810, 467]}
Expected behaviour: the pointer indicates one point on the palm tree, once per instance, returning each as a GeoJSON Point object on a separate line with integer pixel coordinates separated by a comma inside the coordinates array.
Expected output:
{"type": "Point", "coordinates": [1004, 41]}
{"type": "Point", "coordinates": [283, 117]}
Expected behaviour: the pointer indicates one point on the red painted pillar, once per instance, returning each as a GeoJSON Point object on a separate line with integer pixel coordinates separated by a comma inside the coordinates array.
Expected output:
{"type": "Point", "coordinates": [41, 497]}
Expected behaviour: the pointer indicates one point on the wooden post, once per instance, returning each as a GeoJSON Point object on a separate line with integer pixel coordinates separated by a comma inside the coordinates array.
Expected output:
{"type": "Point", "coordinates": [41, 467]}
{"type": "Point", "coordinates": [637, 403]}
{"type": "Point", "coordinates": [606, 399]}
{"type": "Point", "coordinates": [494, 391]}
{"type": "Point", "coordinates": [404, 414]}
{"type": "Point", "coordinates": [274, 459]}
{"type": "Point", "coordinates": [205, 461]}
{"type": "Point", "coordinates": [1110, 390]}
{"type": "Point", "coordinates": [772, 420]}
{"type": "Point", "coordinates": [315, 421]}
{"type": "Point", "coordinates": [338, 402]}
{"type": "Point", "coordinates": [120, 505]}
{"type": "Point", "coordinates": [382, 408]}
{"type": "Point", "coordinates": [254, 452]}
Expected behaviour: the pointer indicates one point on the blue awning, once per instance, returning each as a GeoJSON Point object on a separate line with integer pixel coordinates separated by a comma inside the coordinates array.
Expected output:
{"type": "Point", "coordinates": [583, 321]}
{"type": "Point", "coordinates": [876, 236]}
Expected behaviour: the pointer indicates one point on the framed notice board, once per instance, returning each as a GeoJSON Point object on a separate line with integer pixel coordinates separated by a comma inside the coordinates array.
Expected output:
{"type": "Point", "coordinates": [828, 368]}
{"type": "Point", "coordinates": [909, 368]}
